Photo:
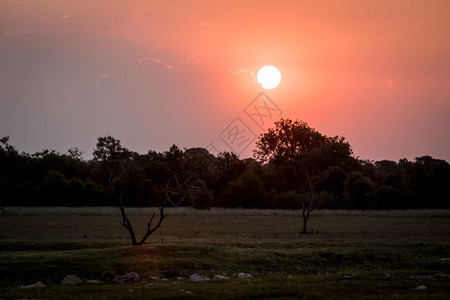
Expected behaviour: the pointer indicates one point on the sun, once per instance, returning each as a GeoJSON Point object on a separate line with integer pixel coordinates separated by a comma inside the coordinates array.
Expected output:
{"type": "Point", "coordinates": [269, 77]}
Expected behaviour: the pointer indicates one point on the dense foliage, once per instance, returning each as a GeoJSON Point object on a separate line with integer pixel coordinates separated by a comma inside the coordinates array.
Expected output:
{"type": "Point", "coordinates": [291, 160]}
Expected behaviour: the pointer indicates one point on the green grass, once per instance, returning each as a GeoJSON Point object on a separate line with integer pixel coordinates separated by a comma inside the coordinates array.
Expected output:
{"type": "Point", "coordinates": [347, 254]}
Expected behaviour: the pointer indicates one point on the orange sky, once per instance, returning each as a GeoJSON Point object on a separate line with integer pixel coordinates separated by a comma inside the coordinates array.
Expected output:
{"type": "Point", "coordinates": [155, 73]}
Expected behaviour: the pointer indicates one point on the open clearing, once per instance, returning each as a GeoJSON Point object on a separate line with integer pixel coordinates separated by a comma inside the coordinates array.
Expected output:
{"type": "Point", "coordinates": [346, 254]}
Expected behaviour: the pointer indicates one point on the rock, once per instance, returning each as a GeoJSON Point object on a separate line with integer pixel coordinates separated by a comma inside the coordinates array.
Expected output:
{"type": "Point", "coordinates": [179, 278]}
{"type": "Point", "coordinates": [71, 280]}
{"type": "Point", "coordinates": [93, 282]}
{"type": "Point", "coordinates": [149, 284]}
{"type": "Point", "coordinates": [153, 278]}
{"type": "Point", "coordinates": [421, 288]}
{"type": "Point", "coordinates": [220, 277]}
{"type": "Point", "coordinates": [184, 291]}
{"type": "Point", "coordinates": [130, 277]}
{"type": "Point", "coordinates": [37, 285]}
{"type": "Point", "coordinates": [244, 275]}
{"type": "Point", "coordinates": [164, 279]}
{"type": "Point", "coordinates": [198, 278]}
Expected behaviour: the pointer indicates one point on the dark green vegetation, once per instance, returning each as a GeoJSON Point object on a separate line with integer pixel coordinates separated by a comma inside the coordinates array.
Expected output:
{"type": "Point", "coordinates": [346, 255]}
{"type": "Point", "coordinates": [296, 164]}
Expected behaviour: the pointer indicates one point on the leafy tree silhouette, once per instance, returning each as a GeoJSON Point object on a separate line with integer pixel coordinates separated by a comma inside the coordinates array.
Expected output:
{"type": "Point", "coordinates": [309, 152]}
{"type": "Point", "coordinates": [113, 157]}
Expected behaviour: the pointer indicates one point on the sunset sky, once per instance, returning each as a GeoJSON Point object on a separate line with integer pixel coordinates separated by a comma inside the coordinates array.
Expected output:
{"type": "Point", "coordinates": [157, 73]}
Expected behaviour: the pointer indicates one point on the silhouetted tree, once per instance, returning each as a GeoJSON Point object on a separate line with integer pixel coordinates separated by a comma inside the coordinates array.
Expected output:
{"type": "Point", "coordinates": [308, 152]}
{"type": "Point", "coordinates": [297, 167]}
{"type": "Point", "coordinates": [246, 191]}
{"type": "Point", "coordinates": [113, 157]}
{"type": "Point", "coordinates": [359, 191]}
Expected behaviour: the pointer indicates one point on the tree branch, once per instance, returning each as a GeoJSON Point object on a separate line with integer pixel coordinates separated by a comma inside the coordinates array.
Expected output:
{"type": "Point", "coordinates": [126, 222]}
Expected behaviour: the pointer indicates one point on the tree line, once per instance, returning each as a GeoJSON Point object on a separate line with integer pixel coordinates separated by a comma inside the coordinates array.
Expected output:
{"type": "Point", "coordinates": [293, 167]}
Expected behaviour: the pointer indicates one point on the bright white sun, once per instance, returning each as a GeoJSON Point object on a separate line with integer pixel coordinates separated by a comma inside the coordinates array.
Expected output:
{"type": "Point", "coordinates": [269, 77]}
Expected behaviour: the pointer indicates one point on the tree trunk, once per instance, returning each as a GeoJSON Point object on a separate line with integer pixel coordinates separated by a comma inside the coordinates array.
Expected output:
{"type": "Point", "coordinates": [127, 224]}
{"type": "Point", "coordinates": [305, 220]}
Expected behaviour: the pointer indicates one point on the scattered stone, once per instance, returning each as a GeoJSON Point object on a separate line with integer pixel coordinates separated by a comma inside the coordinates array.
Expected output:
{"type": "Point", "coordinates": [131, 291]}
{"type": "Point", "coordinates": [421, 288]}
{"type": "Point", "coordinates": [198, 278]}
{"type": "Point", "coordinates": [130, 277]}
{"type": "Point", "coordinates": [220, 277]}
{"type": "Point", "coordinates": [154, 278]}
{"type": "Point", "coordinates": [149, 284]}
{"type": "Point", "coordinates": [346, 276]}
{"type": "Point", "coordinates": [71, 280]}
{"type": "Point", "coordinates": [93, 282]}
{"type": "Point", "coordinates": [440, 275]}
{"type": "Point", "coordinates": [164, 279]}
{"type": "Point", "coordinates": [244, 275]}
{"type": "Point", "coordinates": [37, 285]}
{"type": "Point", "coordinates": [184, 291]}
{"type": "Point", "coordinates": [179, 278]}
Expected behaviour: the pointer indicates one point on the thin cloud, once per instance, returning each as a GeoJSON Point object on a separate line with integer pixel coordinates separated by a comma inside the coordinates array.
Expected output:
{"type": "Point", "coordinates": [116, 69]}
{"type": "Point", "coordinates": [66, 16]}
{"type": "Point", "coordinates": [113, 32]}
{"type": "Point", "coordinates": [389, 82]}
{"type": "Point", "coordinates": [191, 58]}
{"type": "Point", "coordinates": [238, 71]}
{"type": "Point", "coordinates": [155, 61]}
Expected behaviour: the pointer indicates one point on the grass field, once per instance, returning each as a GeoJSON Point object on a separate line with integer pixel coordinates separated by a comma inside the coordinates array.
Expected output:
{"type": "Point", "coordinates": [346, 254]}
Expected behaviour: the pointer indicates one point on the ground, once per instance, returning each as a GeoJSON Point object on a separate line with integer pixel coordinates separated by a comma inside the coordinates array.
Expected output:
{"type": "Point", "coordinates": [346, 254]}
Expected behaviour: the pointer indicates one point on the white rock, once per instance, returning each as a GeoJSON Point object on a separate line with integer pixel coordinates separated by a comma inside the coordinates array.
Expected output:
{"type": "Point", "coordinates": [421, 288]}
{"type": "Point", "coordinates": [244, 275]}
{"type": "Point", "coordinates": [198, 278]}
{"type": "Point", "coordinates": [154, 278]}
{"type": "Point", "coordinates": [71, 280]}
{"type": "Point", "coordinates": [189, 292]}
{"type": "Point", "coordinates": [179, 278]}
{"type": "Point", "coordinates": [93, 282]}
{"type": "Point", "coordinates": [37, 285]}
{"type": "Point", "coordinates": [130, 277]}
{"type": "Point", "coordinates": [220, 277]}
